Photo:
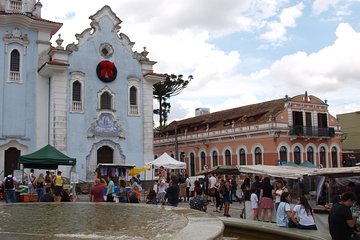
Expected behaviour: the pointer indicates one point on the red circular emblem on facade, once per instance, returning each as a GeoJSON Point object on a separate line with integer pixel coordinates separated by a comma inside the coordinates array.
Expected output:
{"type": "Point", "coordinates": [106, 71]}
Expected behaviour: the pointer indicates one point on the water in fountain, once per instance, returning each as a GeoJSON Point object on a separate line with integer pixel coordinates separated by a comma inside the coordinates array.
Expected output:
{"type": "Point", "coordinates": [88, 221]}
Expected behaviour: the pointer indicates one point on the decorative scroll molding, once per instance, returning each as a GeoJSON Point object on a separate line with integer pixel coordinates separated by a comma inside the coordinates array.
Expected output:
{"type": "Point", "coordinates": [16, 36]}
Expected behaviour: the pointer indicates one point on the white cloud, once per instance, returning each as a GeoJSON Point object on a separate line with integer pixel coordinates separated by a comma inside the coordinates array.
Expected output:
{"type": "Point", "coordinates": [179, 35]}
{"type": "Point", "coordinates": [320, 6]}
{"type": "Point", "coordinates": [325, 70]}
{"type": "Point", "coordinates": [332, 72]}
{"type": "Point", "coordinates": [277, 29]}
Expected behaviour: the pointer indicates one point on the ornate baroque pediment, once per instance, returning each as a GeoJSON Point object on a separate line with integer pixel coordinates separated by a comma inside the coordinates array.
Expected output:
{"type": "Point", "coordinates": [106, 126]}
{"type": "Point", "coordinates": [95, 24]}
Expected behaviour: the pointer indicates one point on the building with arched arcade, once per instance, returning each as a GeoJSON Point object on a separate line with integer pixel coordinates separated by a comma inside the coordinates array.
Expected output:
{"type": "Point", "coordinates": [291, 129]}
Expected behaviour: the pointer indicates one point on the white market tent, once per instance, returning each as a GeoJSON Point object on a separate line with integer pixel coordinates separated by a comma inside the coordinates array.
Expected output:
{"type": "Point", "coordinates": [293, 172]}
{"type": "Point", "coordinates": [276, 171]}
{"type": "Point", "coordinates": [167, 162]}
{"type": "Point", "coordinates": [337, 172]}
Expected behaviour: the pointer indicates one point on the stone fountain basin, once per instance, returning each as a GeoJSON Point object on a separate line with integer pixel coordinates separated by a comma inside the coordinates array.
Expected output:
{"type": "Point", "coordinates": [105, 221]}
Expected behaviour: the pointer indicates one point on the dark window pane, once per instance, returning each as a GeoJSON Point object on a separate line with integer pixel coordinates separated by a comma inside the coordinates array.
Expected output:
{"type": "Point", "coordinates": [133, 93]}
{"type": "Point", "coordinates": [242, 157]}
{"type": "Point", "coordinates": [227, 158]}
{"type": "Point", "coordinates": [76, 94]}
{"type": "Point", "coordinates": [215, 158]}
{"type": "Point", "coordinates": [105, 101]}
{"type": "Point", "coordinates": [15, 61]}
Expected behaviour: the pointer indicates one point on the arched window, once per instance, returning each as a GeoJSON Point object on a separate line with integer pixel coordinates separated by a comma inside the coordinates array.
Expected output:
{"type": "Point", "coordinates": [77, 91]}
{"type": "Point", "coordinates": [310, 154]}
{"type": "Point", "coordinates": [334, 157]}
{"type": "Point", "coordinates": [215, 158]}
{"type": "Point", "coordinates": [133, 96]}
{"type": "Point", "coordinates": [297, 155]}
{"type": "Point", "coordinates": [14, 74]}
{"type": "Point", "coordinates": [228, 157]}
{"type": "Point", "coordinates": [15, 61]}
{"type": "Point", "coordinates": [182, 157]}
{"type": "Point", "coordinates": [76, 96]}
{"type": "Point", "coordinates": [105, 101]}
{"type": "Point", "coordinates": [258, 156]}
{"type": "Point", "coordinates": [242, 156]}
{"type": "Point", "coordinates": [283, 154]}
{"type": "Point", "coordinates": [323, 156]}
{"type": "Point", "coordinates": [133, 100]}
{"type": "Point", "coordinates": [192, 164]}
{"type": "Point", "coordinates": [202, 160]}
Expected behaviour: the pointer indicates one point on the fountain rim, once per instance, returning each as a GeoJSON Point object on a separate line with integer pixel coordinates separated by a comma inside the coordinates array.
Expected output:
{"type": "Point", "coordinates": [200, 225]}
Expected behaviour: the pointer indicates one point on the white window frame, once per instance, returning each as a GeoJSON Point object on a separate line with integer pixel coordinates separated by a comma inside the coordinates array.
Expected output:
{"type": "Point", "coordinates": [100, 92]}
{"type": "Point", "coordinates": [75, 106]}
{"type": "Point", "coordinates": [301, 152]}
{"type": "Point", "coordinates": [238, 154]}
{"type": "Point", "coordinates": [21, 55]}
{"type": "Point", "coordinates": [224, 156]}
{"type": "Point", "coordinates": [15, 39]}
{"type": "Point", "coordinates": [134, 110]}
{"type": "Point", "coordinates": [253, 153]}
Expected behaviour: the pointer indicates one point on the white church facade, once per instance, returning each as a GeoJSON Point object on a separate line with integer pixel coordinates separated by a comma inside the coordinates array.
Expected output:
{"type": "Point", "coordinates": [92, 100]}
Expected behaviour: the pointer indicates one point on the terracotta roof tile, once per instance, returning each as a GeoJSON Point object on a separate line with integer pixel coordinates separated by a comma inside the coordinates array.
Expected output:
{"type": "Point", "coordinates": [254, 113]}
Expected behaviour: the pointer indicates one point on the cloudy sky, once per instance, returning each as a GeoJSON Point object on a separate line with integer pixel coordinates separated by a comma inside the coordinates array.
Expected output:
{"type": "Point", "coordinates": [239, 51]}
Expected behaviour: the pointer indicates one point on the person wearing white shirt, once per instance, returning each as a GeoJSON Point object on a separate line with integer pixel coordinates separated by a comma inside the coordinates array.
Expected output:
{"type": "Point", "coordinates": [279, 189]}
{"type": "Point", "coordinates": [303, 211]}
{"type": "Point", "coordinates": [161, 190]}
{"type": "Point", "coordinates": [254, 204]}
{"type": "Point", "coordinates": [212, 181]}
{"type": "Point", "coordinates": [283, 214]}
{"type": "Point", "coordinates": [188, 185]}
{"type": "Point", "coordinates": [212, 189]}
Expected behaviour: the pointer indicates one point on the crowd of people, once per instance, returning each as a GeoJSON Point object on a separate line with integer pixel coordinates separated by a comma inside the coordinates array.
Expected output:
{"type": "Point", "coordinates": [104, 189]}
{"type": "Point", "coordinates": [42, 188]}
{"type": "Point", "coordinates": [267, 197]}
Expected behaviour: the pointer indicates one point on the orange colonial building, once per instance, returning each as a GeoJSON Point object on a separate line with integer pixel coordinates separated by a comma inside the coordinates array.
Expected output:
{"type": "Point", "coordinates": [291, 129]}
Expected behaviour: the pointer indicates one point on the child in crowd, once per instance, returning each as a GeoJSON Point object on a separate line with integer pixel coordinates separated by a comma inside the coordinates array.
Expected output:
{"type": "Point", "coordinates": [254, 203]}
{"type": "Point", "coordinates": [305, 218]}
{"type": "Point", "coordinates": [198, 202]}
{"type": "Point", "coordinates": [283, 214]}
{"type": "Point", "coordinates": [151, 197]}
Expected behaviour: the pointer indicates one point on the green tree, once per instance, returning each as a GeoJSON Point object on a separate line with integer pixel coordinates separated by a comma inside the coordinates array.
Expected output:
{"type": "Point", "coordinates": [171, 86]}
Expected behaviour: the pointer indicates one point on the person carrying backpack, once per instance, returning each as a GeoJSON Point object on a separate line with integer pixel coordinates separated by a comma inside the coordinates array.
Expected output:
{"type": "Point", "coordinates": [9, 185]}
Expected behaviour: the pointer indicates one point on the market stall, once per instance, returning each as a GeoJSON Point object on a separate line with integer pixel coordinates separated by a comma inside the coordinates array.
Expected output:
{"type": "Point", "coordinates": [48, 158]}
{"type": "Point", "coordinates": [226, 170]}
{"type": "Point", "coordinates": [167, 162]}
{"type": "Point", "coordinates": [116, 171]}
{"type": "Point", "coordinates": [299, 173]}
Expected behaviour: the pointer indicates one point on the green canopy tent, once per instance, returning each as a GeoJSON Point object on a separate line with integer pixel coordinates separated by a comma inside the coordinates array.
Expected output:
{"type": "Point", "coordinates": [47, 157]}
